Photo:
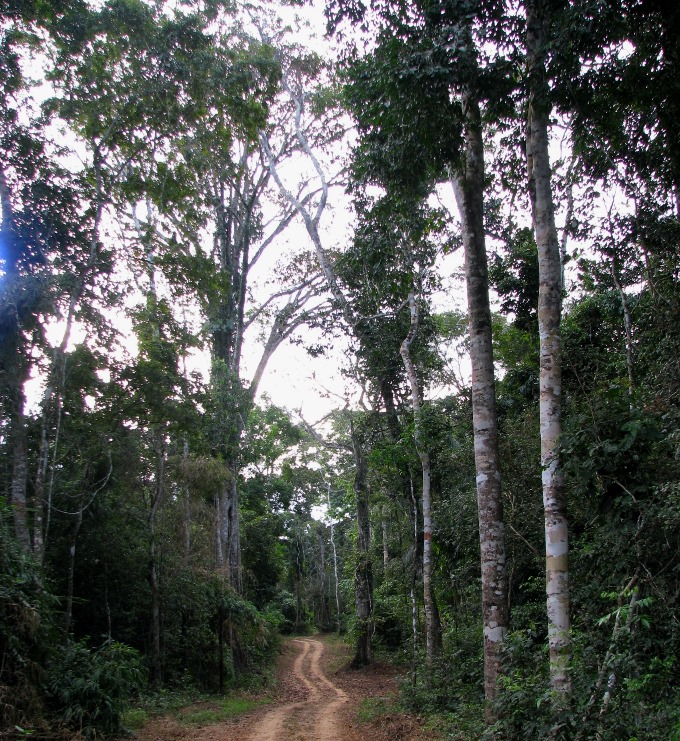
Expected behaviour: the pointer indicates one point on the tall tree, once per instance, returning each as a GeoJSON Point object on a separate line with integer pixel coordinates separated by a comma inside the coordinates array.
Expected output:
{"type": "Point", "coordinates": [538, 23]}
{"type": "Point", "coordinates": [432, 633]}
{"type": "Point", "coordinates": [425, 70]}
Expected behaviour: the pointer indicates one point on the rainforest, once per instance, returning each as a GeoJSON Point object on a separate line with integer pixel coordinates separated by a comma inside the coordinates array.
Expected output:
{"type": "Point", "coordinates": [340, 369]}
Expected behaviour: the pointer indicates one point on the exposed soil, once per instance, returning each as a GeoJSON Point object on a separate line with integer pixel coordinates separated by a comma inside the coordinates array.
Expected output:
{"type": "Point", "coordinates": [318, 698]}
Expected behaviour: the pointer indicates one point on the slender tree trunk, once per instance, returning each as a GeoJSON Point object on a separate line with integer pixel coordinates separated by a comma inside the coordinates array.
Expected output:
{"type": "Point", "coordinates": [323, 613]}
{"type": "Point", "coordinates": [68, 616]}
{"type": "Point", "coordinates": [157, 496]}
{"type": "Point", "coordinates": [219, 538]}
{"type": "Point", "coordinates": [363, 573]}
{"type": "Point", "coordinates": [469, 191]}
{"type": "Point", "coordinates": [39, 489]}
{"type": "Point", "coordinates": [221, 669]}
{"type": "Point", "coordinates": [235, 544]}
{"type": "Point", "coordinates": [335, 562]}
{"type": "Point", "coordinates": [549, 314]}
{"type": "Point", "coordinates": [20, 473]}
{"type": "Point", "coordinates": [385, 542]}
{"type": "Point", "coordinates": [299, 562]}
{"type": "Point", "coordinates": [432, 639]}
{"type": "Point", "coordinates": [628, 326]}
{"type": "Point", "coordinates": [107, 603]}
{"type": "Point", "coordinates": [414, 581]}
{"type": "Point", "coordinates": [186, 509]}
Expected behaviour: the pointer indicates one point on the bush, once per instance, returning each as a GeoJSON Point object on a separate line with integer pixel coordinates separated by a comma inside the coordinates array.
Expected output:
{"type": "Point", "coordinates": [88, 689]}
{"type": "Point", "coordinates": [25, 621]}
{"type": "Point", "coordinates": [286, 604]}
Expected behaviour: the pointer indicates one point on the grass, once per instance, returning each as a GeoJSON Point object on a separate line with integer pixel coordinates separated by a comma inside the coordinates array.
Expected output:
{"type": "Point", "coordinates": [134, 718]}
{"type": "Point", "coordinates": [189, 707]}
{"type": "Point", "coordinates": [340, 653]}
{"type": "Point", "coordinates": [218, 711]}
{"type": "Point", "coordinates": [374, 707]}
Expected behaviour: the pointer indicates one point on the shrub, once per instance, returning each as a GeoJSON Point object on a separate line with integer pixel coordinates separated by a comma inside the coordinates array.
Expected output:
{"type": "Point", "coordinates": [25, 619]}
{"type": "Point", "coordinates": [88, 689]}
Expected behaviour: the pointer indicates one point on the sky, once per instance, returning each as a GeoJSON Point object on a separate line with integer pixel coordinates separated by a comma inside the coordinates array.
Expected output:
{"type": "Point", "coordinates": [294, 380]}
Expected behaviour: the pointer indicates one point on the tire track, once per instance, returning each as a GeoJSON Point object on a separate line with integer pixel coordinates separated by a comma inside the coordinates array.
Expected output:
{"type": "Point", "coordinates": [315, 717]}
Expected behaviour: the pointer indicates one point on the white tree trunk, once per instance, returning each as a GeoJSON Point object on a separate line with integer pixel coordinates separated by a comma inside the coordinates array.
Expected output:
{"type": "Point", "coordinates": [431, 637]}
{"type": "Point", "coordinates": [335, 561]}
{"type": "Point", "coordinates": [549, 316]}
{"type": "Point", "coordinates": [469, 191]}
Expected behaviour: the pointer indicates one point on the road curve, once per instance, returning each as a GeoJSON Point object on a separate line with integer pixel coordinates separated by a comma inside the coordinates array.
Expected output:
{"type": "Point", "coordinates": [316, 717]}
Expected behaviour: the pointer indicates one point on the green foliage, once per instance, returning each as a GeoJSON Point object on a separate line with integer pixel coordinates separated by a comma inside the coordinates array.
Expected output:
{"type": "Point", "coordinates": [524, 706]}
{"type": "Point", "coordinates": [189, 706]}
{"type": "Point", "coordinates": [618, 699]}
{"type": "Point", "coordinates": [89, 688]}
{"type": "Point", "coordinates": [515, 278]}
{"type": "Point", "coordinates": [25, 619]}
{"type": "Point", "coordinates": [453, 683]}
{"type": "Point", "coordinates": [217, 712]}
{"type": "Point", "coordinates": [373, 708]}
{"type": "Point", "coordinates": [284, 611]}
{"type": "Point", "coordinates": [167, 107]}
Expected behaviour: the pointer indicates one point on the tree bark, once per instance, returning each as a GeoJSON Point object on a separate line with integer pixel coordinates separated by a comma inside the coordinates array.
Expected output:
{"type": "Point", "coordinates": [363, 573]}
{"type": "Point", "coordinates": [432, 639]}
{"type": "Point", "coordinates": [414, 601]}
{"type": "Point", "coordinates": [335, 561]}
{"type": "Point", "coordinates": [19, 469]}
{"type": "Point", "coordinates": [323, 612]}
{"type": "Point", "coordinates": [628, 327]}
{"type": "Point", "coordinates": [549, 316]}
{"type": "Point", "coordinates": [156, 498]}
{"type": "Point", "coordinates": [469, 191]}
{"type": "Point", "coordinates": [385, 542]}
{"type": "Point", "coordinates": [68, 616]}
{"type": "Point", "coordinates": [186, 508]}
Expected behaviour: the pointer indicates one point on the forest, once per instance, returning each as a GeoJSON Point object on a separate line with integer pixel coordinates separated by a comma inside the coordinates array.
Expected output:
{"type": "Point", "coordinates": [470, 210]}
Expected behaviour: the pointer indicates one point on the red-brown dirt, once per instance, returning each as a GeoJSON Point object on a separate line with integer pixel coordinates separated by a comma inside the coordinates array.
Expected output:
{"type": "Point", "coordinates": [317, 698]}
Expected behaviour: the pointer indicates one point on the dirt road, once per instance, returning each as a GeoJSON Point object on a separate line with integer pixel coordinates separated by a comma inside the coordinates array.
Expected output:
{"type": "Point", "coordinates": [316, 718]}
{"type": "Point", "coordinates": [318, 698]}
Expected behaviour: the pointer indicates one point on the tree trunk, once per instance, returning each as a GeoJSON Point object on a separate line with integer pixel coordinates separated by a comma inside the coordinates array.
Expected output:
{"type": "Point", "coordinates": [228, 532]}
{"type": "Point", "coordinates": [19, 473]}
{"type": "Point", "coordinates": [469, 191]}
{"type": "Point", "coordinates": [335, 562]}
{"type": "Point", "coordinates": [363, 573]}
{"type": "Point", "coordinates": [68, 616]}
{"type": "Point", "coordinates": [385, 543]}
{"type": "Point", "coordinates": [234, 544]}
{"type": "Point", "coordinates": [186, 508]}
{"type": "Point", "coordinates": [628, 326]}
{"type": "Point", "coordinates": [299, 563]}
{"type": "Point", "coordinates": [432, 639]}
{"type": "Point", "coordinates": [414, 601]}
{"type": "Point", "coordinates": [323, 612]}
{"type": "Point", "coordinates": [549, 313]}
{"type": "Point", "coordinates": [156, 665]}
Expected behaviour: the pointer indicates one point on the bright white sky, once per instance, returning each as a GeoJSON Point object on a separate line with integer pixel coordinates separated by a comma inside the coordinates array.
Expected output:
{"type": "Point", "coordinates": [294, 380]}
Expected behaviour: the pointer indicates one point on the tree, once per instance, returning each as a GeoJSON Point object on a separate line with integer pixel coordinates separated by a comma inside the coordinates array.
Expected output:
{"type": "Point", "coordinates": [538, 18]}
{"type": "Point", "coordinates": [432, 630]}
{"type": "Point", "coordinates": [415, 76]}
